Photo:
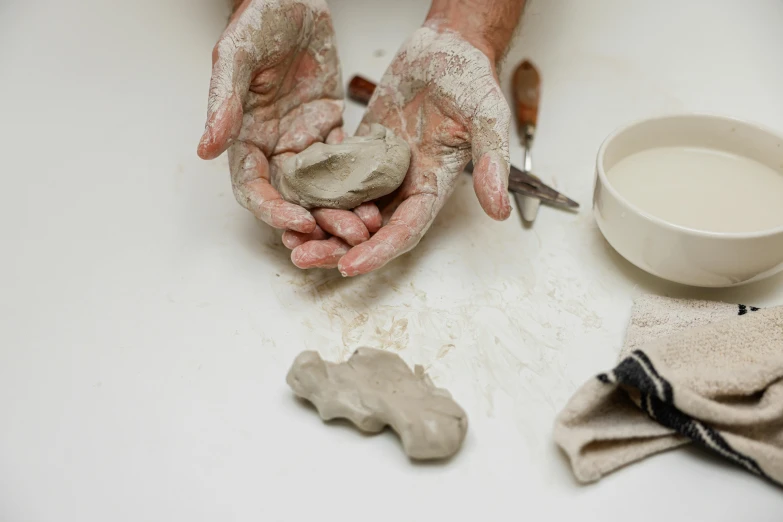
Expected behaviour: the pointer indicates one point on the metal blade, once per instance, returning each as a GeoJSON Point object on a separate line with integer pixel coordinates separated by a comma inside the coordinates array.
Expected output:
{"type": "Point", "coordinates": [522, 183]}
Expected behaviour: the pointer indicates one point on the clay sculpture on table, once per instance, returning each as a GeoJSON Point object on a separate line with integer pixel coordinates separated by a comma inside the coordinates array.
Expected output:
{"type": "Point", "coordinates": [375, 389]}
{"type": "Point", "coordinates": [345, 175]}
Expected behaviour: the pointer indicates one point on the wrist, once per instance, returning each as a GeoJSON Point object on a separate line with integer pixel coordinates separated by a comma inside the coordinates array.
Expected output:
{"type": "Point", "coordinates": [487, 25]}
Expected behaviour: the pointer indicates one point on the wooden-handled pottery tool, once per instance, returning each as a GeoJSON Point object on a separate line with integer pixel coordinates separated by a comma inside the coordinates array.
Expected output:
{"type": "Point", "coordinates": [527, 94]}
{"type": "Point", "coordinates": [520, 181]}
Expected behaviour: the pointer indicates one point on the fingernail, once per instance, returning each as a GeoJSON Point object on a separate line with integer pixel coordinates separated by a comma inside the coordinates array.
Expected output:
{"type": "Point", "coordinates": [494, 186]}
{"type": "Point", "coordinates": [498, 162]}
{"type": "Point", "coordinates": [297, 258]}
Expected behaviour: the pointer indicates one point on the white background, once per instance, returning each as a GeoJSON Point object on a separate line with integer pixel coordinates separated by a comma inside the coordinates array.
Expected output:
{"type": "Point", "coordinates": [147, 321]}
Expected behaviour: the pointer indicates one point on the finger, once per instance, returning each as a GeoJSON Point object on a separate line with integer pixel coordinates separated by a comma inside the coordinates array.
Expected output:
{"type": "Point", "coordinates": [250, 179]}
{"type": "Point", "coordinates": [232, 69]}
{"type": "Point", "coordinates": [490, 181]}
{"type": "Point", "coordinates": [489, 138]}
{"type": "Point", "coordinates": [293, 239]}
{"type": "Point", "coordinates": [342, 223]}
{"type": "Point", "coordinates": [319, 254]}
{"type": "Point", "coordinates": [335, 136]}
{"type": "Point", "coordinates": [403, 232]}
{"type": "Point", "coordinates": [265, 203]}
{"type": "Point", "coordinates": [370, 216]}
{"type": "Point", "coordinates": [364, 126]}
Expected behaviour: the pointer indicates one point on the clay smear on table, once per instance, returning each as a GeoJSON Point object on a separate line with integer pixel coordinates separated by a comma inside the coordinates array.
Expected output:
{"type": "Point", "coordinates": [375, 389]}
{"type": "Point", "coordinates": [345, 175]}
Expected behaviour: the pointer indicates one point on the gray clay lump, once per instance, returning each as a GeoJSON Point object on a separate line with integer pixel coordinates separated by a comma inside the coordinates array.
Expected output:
{"type": "Point", "coordinates": [375, 389]}
{"type": "Point", "coordinates": [345, 175]}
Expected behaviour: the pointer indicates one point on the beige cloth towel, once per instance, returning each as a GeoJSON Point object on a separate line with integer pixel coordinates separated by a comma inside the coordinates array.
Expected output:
{"type": "Point", "coordinates": [690, 371]}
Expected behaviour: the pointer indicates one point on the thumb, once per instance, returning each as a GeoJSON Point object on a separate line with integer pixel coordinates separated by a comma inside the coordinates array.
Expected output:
{"type": "Point", "coordinates": [489, 146]}
{"type": "Point", "coordinates": [231, 72]}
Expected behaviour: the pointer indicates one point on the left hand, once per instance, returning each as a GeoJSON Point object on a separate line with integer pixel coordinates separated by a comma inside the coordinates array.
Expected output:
{"type": "Point", "coordinates": [440, 94]}
{"type": "Point", "coordinates": [276, 89]}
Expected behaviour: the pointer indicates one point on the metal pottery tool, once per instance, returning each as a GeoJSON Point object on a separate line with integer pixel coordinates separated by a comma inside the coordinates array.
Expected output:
{"type": "Point", "coordinates": [526, 86]}
{"type": "Point", "coordinates": [520, 182]}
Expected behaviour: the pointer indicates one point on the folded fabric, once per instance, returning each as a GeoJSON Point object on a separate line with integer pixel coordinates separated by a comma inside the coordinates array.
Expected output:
{"type": "Point", "coordinates": [690, 371]}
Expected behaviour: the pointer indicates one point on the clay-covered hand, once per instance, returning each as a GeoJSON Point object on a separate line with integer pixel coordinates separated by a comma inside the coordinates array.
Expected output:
{"type": "Point", "coordinates": [440, 94]}
{"type": "Point", "coordinates": [276, 88]}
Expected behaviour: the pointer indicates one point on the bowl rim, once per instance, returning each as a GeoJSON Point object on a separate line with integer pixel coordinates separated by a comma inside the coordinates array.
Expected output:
{"type": "Point", "coordinates": [658, 220]}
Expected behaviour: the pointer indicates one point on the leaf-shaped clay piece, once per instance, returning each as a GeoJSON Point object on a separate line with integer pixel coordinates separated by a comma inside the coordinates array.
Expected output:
{"type": "Point", "coordinates": [374, 389]}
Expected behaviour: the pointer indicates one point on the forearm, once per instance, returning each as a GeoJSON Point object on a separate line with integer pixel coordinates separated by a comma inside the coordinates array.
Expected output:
{"type": "Point", "coordinates": [487, 24]}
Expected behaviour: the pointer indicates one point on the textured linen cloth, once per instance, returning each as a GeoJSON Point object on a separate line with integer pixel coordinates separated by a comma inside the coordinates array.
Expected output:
{"type": "Point", "coordinates": [690, 371]}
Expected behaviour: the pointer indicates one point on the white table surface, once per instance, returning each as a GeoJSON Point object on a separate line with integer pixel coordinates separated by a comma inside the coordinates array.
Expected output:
{"type": "Point", "coordinates": [148, 321]}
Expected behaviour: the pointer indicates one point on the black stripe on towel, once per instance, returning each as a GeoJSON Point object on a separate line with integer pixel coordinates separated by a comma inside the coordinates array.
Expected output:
{"type": "Point", "coordinates": [743, 309]}
{"type": "Point", "coordinates": [637, 371]}
{"type": "Point", "coordinates": [668, 393]}
{"type": "Point", "coordinates": [630, 371]}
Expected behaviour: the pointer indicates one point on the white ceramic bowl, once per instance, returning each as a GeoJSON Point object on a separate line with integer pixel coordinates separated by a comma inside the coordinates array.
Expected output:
{"type": "Point", "coordinates": [673, 252]}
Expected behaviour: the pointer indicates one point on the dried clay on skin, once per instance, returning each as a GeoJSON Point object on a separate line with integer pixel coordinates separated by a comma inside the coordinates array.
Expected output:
{"type": "Point", "coordinates": [375, 389]}
{"type": "Point", "coordinates": [277, 62]}
{"type": "Point", "coordinates": [460, 79]}
{"type": "Point", "coordinates": [345, 175]}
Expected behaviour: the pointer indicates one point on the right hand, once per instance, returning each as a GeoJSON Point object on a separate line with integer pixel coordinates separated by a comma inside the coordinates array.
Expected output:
{"type": "Point", "coordinates": [440, 94]}
{"type": "Point", "coordinates": [276, 89]}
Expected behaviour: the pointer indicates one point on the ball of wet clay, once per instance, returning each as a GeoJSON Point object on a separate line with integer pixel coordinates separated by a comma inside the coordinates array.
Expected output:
{"type": "Point", "coordinates": [345, 175]}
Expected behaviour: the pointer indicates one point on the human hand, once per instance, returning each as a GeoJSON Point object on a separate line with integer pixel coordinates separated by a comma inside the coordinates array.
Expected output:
{"type": "Point", "coordinates": [276, 89]}
{"type": "Point", "coordinates": [440, 94]}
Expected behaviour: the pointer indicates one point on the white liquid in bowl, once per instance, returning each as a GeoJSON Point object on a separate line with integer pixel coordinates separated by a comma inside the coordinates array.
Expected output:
{"type": "Point", "coordinates": [702, 189]}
